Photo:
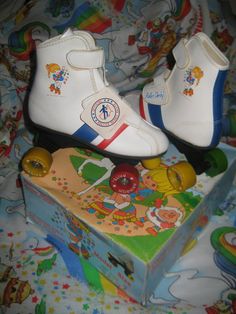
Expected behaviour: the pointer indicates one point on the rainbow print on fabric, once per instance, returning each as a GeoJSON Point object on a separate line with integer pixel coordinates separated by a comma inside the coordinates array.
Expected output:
{"type": "Point", "coordinates": [86, 17]}
{"type": "Point", "coordinates": [183, 7]}
{"type": "Point", "coordinates": [43, 251]}
{"type": "Point", "coordinates": [222, 240]}
{"type": "Point", "coordinates": [21, 44]}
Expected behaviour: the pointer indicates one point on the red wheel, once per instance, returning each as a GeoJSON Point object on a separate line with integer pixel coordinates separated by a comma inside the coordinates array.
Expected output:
{"type": "Point", "coordinates": [124, 179]}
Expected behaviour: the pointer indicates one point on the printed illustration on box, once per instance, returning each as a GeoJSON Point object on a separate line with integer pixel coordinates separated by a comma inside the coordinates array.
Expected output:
{"type": "Point", "coordinates": [111, 230]}
{"type": "Point", "coordinates": [155, 210]}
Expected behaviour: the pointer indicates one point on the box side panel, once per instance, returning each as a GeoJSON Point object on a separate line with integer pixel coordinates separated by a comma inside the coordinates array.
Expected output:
{"type": "Point", "coordinates": [114, 262]}
{"type": "Point", "coordinates": [189, 231]}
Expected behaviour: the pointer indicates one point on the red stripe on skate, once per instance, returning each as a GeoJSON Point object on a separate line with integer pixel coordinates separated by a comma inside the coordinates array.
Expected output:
{"type": "Point", "coordinates": [199, 26]}
{"type": "Point", "coordinates": [107, 142]}
{"type": "Point", "coordinates": [141, 107]}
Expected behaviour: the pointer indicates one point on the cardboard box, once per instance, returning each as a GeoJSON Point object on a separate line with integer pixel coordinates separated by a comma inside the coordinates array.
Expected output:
{"type": "Point", "coordinates": [131, 239]}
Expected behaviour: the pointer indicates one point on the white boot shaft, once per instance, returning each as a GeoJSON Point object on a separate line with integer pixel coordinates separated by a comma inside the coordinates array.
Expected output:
{"type": "Point", "coordinates": [60, 85]}
{"type": "Point", "coordinates": [187, 102]}
{"type": "Point", "coordinates": [70, 95]}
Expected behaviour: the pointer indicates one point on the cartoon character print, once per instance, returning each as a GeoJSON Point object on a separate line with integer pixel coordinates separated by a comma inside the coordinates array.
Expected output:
{"type": "Point", "coordinates": [192, 80]}
{"type": "Point", "coordinates": [58, 75]}
{"type": "Point", "coordinates": [13, 290]}
{"type": "Point", "coordinates": [165, 217]}
{"type": "Point", "coordinates": [168, 212]}
{"type": "Point", "coordinates": [221, 34]}
{"type": "Point", "coordinates": [121, 207]}
{"type": "Point", "coordinates": [77, 231]}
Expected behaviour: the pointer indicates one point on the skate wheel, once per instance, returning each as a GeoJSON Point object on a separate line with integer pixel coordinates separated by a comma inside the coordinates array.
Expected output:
{"type": "Point", "coordinates": [37, 162]}
{"type": "Point", "coordinates": [182, 176]}
{"type": "Point", "coordinates": [217, 161]}
{"type": "Point", "coordinates": [151, 163]}
{"type": "Point", "coordinates": [124, 179]}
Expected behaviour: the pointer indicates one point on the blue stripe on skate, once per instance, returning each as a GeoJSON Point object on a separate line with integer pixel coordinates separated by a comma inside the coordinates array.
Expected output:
{"type": "Point", "coordinates": [155, 116]}
{"type": "Point", "coordinates": [86, 133]}
{"type": "Point", "coordinates": [218, 92]}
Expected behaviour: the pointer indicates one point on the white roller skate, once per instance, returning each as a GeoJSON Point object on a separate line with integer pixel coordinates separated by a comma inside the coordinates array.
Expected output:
{"type": "Point", "coordinates": [70, 97]}
{"type": "Point", "coordinates": [187, 101]}
{"type": "Point", "coordinates": [72, 104]}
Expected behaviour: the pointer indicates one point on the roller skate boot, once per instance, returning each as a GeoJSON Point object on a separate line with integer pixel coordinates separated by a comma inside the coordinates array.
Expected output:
{"type": "Point", "coordinates": [71, 98]}
{"type": "Point", "coordinates": [186, 102]}
{"type": "Point", "coordinates": [71, 104]}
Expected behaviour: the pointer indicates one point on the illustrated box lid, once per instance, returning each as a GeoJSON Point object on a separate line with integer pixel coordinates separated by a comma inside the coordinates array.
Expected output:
{"type": "Point", "coordinates": [79, 180]}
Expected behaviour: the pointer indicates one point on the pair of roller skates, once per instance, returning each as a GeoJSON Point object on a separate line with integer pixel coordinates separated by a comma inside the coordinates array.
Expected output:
{"type": "Point", "coordinates": [71, 104]}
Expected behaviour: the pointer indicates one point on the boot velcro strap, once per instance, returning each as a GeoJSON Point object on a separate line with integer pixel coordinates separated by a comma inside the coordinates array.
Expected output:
{"type": "Point", "coordinates": [156, 93]}
{"type": "Point", "coordinates": [181, 54]}
{"type": "Point", "coordinates": [86, 59]}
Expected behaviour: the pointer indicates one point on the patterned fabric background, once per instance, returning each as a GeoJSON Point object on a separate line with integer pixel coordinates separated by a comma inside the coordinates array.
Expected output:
{"type": "Point", "coordinates": [137, 36]}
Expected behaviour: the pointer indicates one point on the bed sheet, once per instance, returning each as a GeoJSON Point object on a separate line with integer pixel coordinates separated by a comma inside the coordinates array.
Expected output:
{"type": "Point", "coordinates": [36, 277]}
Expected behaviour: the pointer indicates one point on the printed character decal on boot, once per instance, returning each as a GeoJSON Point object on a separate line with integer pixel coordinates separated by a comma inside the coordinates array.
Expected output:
{"type": "Point", "coordinates": [58, 76]}
{"type": "Point", "coordinates": [192, 79]}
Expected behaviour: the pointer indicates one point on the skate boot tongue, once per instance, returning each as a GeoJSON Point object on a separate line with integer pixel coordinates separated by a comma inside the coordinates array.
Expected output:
{"type": "Point", "coordinates": [67, 33]}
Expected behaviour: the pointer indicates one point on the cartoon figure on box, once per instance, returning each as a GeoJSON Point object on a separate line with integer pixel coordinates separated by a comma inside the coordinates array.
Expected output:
{"type": "Point", "coordinates": [122, 206]}
{"type": "Point", "coordinates": [77, 231]}
{"type": "Point", "coordinates": [164, 217]}
{"type": "Point", "coordinates": [119, 205]}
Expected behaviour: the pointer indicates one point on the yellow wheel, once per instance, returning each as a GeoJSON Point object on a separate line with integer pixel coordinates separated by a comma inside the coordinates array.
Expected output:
{"type": "Point", "coordinates": [182, 176]}
{"type": "Point", "coordinates": [37, 162]}
{"type": "Point", "coordinates": [151, 163]}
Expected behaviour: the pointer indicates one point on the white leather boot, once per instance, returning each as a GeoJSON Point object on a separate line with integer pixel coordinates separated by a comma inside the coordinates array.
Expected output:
{"type": "Point", "coordinates": [187, 101]}
{"type": "Point", "coordinates": [70, 96]}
